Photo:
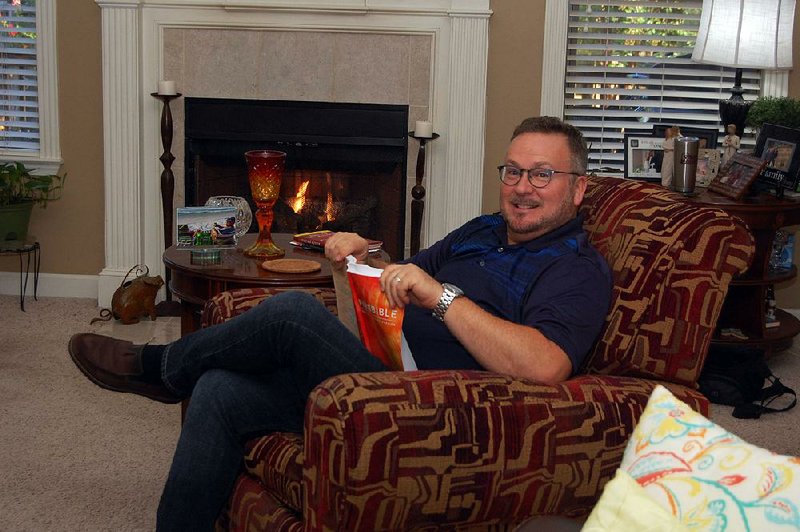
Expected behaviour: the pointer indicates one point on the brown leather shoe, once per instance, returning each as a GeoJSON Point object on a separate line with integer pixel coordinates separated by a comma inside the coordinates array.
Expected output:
{"type": "Point", "coordinates": [115, 365]}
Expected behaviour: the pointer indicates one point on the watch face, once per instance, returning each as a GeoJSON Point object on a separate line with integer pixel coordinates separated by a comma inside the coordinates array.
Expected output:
{"type": "Point", "coordinates": [453, 288]}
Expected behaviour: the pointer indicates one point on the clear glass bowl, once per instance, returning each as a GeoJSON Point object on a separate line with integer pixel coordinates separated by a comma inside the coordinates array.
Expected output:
{"type": "Point", "coordinates": [244, 216]}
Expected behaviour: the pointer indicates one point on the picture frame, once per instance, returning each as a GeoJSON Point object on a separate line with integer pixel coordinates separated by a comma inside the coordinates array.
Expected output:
{"type": "Point", "coordinates": [708, 162]}
{"type": "Point", "coordinates": [735, 177]}
{"type": "Point", "coordinates": [779, 146]}
{"type": "Point", "coordinates": [205, 228]}
{"type": "Point", "coordinates": [711, 136]}
{"type": "Point", "coordinates": [643, 155]}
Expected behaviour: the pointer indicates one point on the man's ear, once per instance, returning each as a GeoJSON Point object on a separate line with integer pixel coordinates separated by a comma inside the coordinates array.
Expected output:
{"type": "Point", "coordinates": [579, 190]}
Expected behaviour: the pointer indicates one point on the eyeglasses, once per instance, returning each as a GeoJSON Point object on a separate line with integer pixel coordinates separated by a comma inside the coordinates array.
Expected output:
{"type": "Point", "coordinates": [537, 177]}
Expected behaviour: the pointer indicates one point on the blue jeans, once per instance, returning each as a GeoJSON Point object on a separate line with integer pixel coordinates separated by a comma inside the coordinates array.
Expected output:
{"type": "Point", "coordinates": [247, 377]}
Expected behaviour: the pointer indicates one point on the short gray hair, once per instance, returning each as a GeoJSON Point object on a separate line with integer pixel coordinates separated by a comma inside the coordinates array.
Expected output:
{"type": "Point", "coordinates": [551, 125]}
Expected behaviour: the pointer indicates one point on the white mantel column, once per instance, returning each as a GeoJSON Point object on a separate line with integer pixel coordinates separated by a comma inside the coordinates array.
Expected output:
{"type": "Point", "coordinates": [121, 102]}
{"type": "Point", "coordinates": [469, 48]}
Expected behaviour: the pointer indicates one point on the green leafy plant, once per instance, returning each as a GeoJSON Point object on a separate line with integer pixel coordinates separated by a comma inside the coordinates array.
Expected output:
{"type": "Point", "coordinates": [781, 111]}
{"type": "Point", "coordinates": [18, 185]}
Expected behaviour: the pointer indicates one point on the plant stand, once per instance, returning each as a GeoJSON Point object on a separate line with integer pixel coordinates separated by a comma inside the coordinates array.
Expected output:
{"type": "Point", "coordinates": [31, 249]}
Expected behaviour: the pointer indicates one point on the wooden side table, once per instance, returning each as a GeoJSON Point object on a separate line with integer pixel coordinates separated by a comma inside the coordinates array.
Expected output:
{"type": "Point", "coordinates": [745, 305]}
{"type": "Point", "coordinates": [194, 284]}
{"type": "Point", "coordinates": [31, 249]}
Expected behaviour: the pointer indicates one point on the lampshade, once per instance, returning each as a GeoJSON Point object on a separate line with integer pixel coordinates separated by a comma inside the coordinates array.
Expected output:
{"type": "Point", "coordinates": [746, 33]}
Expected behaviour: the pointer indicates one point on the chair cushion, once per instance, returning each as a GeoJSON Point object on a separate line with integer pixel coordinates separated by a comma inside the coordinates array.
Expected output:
{"type": "Point", "coordinates": [276, 461]}
{"type": "Point", "coordinates": [672, 263]}
{"type": "Point", "coordinates": [231, 303]}
{"type": "Point", "coordinates": [253, 508]}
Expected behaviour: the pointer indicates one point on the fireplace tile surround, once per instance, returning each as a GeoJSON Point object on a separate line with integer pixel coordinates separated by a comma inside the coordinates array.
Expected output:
{"type": "Point", "coordinates": [430, 55]}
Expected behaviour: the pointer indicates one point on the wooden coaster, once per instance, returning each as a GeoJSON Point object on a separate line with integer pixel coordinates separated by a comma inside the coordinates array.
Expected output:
{"type": "Point", "coordinates": [291, 266]}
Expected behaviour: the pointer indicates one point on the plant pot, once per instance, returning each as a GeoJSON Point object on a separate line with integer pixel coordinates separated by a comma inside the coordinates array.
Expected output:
{"type": "Point", "coordinates": [14, 221]}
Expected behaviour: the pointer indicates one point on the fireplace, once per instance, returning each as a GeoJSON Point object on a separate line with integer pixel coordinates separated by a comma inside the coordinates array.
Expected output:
{"type": "Point", "coordinates": [430, 56]}
{"type": "Point", "coordinates": [345, 164]}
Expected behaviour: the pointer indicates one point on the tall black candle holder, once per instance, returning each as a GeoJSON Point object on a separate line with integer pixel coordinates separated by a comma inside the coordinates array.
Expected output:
{"type": "Point", "coordinates": [168, 307]}
{"type": "Point", "coordinates": [418, 192]}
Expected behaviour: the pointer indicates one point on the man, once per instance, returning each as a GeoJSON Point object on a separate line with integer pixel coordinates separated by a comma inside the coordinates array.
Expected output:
{"type": "Point", "coordinates": [520, 293]}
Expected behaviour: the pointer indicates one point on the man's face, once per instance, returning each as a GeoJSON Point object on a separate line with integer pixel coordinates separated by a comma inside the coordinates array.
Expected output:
{"type": "Point", "coordinates": [530, 212]}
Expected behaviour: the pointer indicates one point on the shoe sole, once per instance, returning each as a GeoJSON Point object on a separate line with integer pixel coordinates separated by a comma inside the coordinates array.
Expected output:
{"type": "Point", "coordinates": [90, 374]}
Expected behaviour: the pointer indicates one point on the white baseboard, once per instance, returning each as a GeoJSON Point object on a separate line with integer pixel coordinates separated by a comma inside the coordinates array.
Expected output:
{"type": "Point", "coordinates": [51, 285]}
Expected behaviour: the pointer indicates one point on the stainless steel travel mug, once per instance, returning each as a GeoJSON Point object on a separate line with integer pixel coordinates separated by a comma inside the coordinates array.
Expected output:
{"type": "Point", "coordinates": [685, 165]}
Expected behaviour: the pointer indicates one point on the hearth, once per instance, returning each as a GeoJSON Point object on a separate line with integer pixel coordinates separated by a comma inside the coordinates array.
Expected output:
{"type": "Point", "coordinates": [345, 166]}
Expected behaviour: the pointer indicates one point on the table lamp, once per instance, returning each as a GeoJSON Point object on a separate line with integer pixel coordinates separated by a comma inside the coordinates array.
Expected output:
{"type": "Point", "coordinates": [744, 34]}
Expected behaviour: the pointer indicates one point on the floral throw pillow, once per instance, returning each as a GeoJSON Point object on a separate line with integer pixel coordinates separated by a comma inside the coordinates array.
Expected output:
{"type": "Point", "coordinates": [705, 476]}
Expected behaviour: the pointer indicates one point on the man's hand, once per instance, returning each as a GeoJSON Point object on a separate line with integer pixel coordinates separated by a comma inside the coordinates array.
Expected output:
{"type": "Point", "coordinates": [340, 245]}
{"type": "Point", "coordinates": [407, 283]}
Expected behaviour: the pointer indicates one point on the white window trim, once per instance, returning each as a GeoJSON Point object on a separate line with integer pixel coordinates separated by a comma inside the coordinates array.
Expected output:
{"type": "Point", "coordinates": [48, 159]}
{"type": "Point", "coordinates": [554, 65]}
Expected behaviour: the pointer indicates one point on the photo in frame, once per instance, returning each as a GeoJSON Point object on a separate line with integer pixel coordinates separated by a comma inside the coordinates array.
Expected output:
{"type": "Point", "coordinates": [779, 146]}
{"type": "Point", "coordinates": [707, 166]}
{"type": "Point", "coordinates": [199, 228]}
{"type": "Point", "coordinates": [643, 155]}
{"type": "Point", "coordinates": [735, 177]}
{"type": "Point", "coordinates": [710, 136]}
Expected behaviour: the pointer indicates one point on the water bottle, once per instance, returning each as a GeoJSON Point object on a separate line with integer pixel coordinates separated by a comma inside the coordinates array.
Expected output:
{"type": "Point", "coordinates": [685, 166]}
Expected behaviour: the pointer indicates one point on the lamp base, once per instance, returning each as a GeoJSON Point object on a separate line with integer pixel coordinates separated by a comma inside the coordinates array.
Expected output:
{"type": "Point", "coordinates": [734, 111]}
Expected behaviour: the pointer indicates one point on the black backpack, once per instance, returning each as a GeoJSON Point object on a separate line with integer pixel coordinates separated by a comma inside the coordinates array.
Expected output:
{"type": "Point", "coordinates": [740, 377]}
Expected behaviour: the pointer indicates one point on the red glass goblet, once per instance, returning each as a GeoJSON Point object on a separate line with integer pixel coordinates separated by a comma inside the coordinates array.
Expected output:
{"type": "Point", "coordinates": [265, 170]}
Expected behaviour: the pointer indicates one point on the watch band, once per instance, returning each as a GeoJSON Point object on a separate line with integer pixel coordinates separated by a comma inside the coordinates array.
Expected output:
{"type": "Point", "coordinates": [450, 293]}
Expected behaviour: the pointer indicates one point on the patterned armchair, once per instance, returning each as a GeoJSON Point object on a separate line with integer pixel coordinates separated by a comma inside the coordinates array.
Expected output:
{"type": "Point", "coordinates": [476, 450]}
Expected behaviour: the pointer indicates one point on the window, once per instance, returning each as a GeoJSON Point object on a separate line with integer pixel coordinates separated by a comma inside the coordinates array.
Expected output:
{"type": "Point", "coordinates": [626, 65]}
{"type": "Point", "coordinates": [28, 84]}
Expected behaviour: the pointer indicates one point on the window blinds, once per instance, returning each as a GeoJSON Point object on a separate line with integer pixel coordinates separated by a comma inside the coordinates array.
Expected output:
{"type": "Point", "coordinates": [19, 101]}
{"type": "Point", "coordinates": [629, 66]}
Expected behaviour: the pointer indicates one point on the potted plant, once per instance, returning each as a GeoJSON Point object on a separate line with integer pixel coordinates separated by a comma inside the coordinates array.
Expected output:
{"type": "Point", "coordinates": [20, 190]}
{"type": "Point", "coordinates": [780, 111]}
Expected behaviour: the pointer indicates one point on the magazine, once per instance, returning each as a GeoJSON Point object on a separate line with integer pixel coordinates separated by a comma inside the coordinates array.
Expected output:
{"type": "Point", "coordinates": [315, 240]}
{"type": "Point", "coordinates": [379, 326]}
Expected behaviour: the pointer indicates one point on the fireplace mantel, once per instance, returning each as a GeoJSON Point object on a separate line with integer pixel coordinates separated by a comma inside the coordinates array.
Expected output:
{"type": "Point", "coordinates": [134, 58]}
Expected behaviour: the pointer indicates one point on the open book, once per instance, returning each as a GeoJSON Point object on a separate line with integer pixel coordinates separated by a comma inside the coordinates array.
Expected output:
{"type": "Point", "coordinates": [379, 326]}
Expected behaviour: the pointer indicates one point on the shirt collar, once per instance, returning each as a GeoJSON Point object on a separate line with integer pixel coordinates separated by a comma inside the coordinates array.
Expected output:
{"type": "Point", "coordinates": [574, 227]}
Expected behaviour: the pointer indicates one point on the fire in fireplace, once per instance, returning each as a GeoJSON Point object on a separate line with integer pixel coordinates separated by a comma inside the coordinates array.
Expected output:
{"type": "Point", "coordinates": [345, 164]}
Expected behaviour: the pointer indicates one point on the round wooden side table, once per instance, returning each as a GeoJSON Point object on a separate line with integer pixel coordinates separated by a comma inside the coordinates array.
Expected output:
{"type": "Point", "coordinates": [195, 283]}
{"type": "Point", "coordinates": [745, 305]}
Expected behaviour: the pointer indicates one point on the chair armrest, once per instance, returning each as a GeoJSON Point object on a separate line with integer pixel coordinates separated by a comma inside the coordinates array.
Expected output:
{"type": "Point", "coordinates": [231, 303]}
{"type": "Point", "coordinates": [388, 450]}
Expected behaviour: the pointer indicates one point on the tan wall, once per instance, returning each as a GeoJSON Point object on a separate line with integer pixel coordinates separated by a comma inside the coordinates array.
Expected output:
{"type": "Point", "coordinates": [516, 36]}
{"type": "Point", "coordinates": [71, 230]}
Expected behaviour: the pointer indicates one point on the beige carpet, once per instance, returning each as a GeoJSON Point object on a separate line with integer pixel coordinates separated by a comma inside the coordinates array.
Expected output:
{"type": "Point", "coordinates": [73, 456]}
{"type": "Point", "coordinates": [76, 457]}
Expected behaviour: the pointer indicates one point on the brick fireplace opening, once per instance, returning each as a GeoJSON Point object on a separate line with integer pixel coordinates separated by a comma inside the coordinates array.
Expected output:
{"type": "Point", "coordinates": [345, 164]}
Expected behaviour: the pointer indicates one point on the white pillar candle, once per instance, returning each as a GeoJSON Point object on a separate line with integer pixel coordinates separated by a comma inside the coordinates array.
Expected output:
{"type": "Point", "coordinates": [167, 88]}
{"type": "Point", "coordinates": [423, 129]}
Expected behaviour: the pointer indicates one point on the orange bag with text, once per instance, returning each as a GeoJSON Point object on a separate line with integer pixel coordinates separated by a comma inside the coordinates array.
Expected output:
{"type": "Point", "coordinates": [379, 325]}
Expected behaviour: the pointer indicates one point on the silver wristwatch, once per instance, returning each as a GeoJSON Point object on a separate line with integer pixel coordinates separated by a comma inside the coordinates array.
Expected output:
{"type": "Point", "coordinates": [451, 292]}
